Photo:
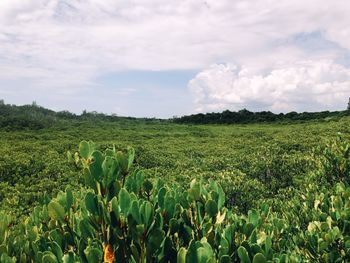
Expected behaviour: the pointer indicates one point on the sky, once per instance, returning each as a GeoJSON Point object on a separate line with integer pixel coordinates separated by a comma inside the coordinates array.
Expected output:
{"type": "Point", "coordinates": [161, 58]}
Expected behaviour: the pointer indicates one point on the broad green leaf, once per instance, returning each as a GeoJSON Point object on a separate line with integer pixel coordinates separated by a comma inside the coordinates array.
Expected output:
{"type": "Point", "coordinates": [96, 166]}
{"type": "Point", "coordinates": [69, 198]}
{"type": "Point", "coordinates": [115, 207]}
{"type": "Point", "coordinates": [181, 255]}
{"type": "Point", "coordinates": [211, 208]}
{"type": "Point", "coordinates": [124, 200]}
{"type": "Point", "coordinates": [253, 217]}
{"type": "Point", "coordinates": [131, 156]}
{"type": "Point", "coordinates": [146, 213]}
{"type": "Point", "coordinates": [202, 255]}
{"type": "Point", "coordinates": [268, 244]}
{"type": "Point", "coordinates": [91, 203]}
{"type": "Point", "coordinates": [135, 211]}
{"type": "Point", "coordinates": [259, 258]}
{"type": "Point", "coordinates": [86, 230]}
{"type": "Point", "coordinates": [84, 149]}
{"type": "Point", "coordinates": [56, 211]}
{"type": "Point", "coordinates": [243, 255]}
{"type": "Point", "coordinates": [49, 257]}
{"type": "Point", "coordinates": [93, 255]}
{"type": "Point", "coordinates": [68, 258]}
{"type": "Point", "coordinates": [89, 179]}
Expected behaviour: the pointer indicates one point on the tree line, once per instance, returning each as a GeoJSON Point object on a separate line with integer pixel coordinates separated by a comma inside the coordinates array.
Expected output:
{"type": "Point", "coordinates": [34, 117]}
{"type": "Point", "coordinates": [246, 116]}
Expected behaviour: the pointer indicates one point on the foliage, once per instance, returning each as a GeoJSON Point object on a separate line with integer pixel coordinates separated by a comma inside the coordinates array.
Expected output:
{"type": "Point", "coordinates": [283, 201]}
{"type": "Point", "coordinates": [33, 164]}
{"type": "Point", "coordinates": [121, 216]}
{"type": "Point", "coordinates": [245, 116]}
{"type": "Point", "coordinates": [336, 160]}
{"type": "Point", "coordinates": [35, 117]}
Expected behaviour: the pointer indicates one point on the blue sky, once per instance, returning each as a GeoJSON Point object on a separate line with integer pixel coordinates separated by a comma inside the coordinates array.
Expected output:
{"type": "Point", "coordinates": [147, 93]}
{"type": "Point", "coordinates": [161, 58]}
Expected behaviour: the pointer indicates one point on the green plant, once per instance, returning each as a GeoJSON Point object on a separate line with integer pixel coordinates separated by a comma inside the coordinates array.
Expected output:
{"type": "Point", "coordinates": [131, 214]}
{"type": "Point", "coordinates": [123, 217]}
{"type": "Point", "coordinates": [335, 160]}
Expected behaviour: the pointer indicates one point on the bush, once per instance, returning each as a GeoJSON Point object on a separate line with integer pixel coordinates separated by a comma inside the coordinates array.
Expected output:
{"type": "Point", "coordinates": [121, 216]}
{"type": "Point", "coordinates": [334, 158]}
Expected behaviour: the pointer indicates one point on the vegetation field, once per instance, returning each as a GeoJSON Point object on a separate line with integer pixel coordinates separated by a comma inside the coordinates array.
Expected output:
{"type": "Point", "coordinates": [187, 193]}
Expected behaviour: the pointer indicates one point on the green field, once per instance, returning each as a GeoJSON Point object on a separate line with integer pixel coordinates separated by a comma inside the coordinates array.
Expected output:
{"type": "Point", "coordinates": [277, 178]}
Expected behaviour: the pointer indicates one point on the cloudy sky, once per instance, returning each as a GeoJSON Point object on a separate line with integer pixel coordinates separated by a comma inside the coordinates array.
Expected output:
{"type": "Point", "coordinates": [163, 58]}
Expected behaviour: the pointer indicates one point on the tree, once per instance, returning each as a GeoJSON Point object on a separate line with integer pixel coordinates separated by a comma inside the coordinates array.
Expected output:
{"type": "Point", "coordinates": [348, 108]}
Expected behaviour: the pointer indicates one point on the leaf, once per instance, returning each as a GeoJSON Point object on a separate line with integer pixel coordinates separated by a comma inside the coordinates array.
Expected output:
{"type": "Point", "coordinates": [91, 204]}
{"type": "Point", "coordinates": [109, 168]}
{"type": "Point", "coordinates": [70, 157]}
{"type": "Point", "coordinates": [161, 194]}
{"type": "Point", "coordinates": [86, 229]}
{"type": "Point", "coordinates": [93, 255]}
{"type": "Point", "coordinates": [69, 198]}
{"type": "Point", "coordinates": [56, 211]}
{"type": "Point", "coordinates": [220, 217]}
{"type": "Point", "coordinates": [169, 205]}
{"type": "Point", "coordinates": [122, 159]}
{"type": "Point", "coordinates": [253, 217]}
{"type": "Point", "coordinates": [135, 252]}
{"type": "Point", "coordinates": [135, 211]}
{"type": "Point", "coordinates": [124, 200]}
{"type": "Point", "coordinates": [68, 258]}
{"type": "Point", "coordinates": [6, 259]}
{"type": "Point", "coordinates": [259, 258]}
{"type": "Point", "coordinates": [89, 179]}
{"type": "Point", "coordinates": [155, 239]}
{"type": "Point", "coordinates": [202, 255]}
{"type": "Point", "coordinates": [181, 255]}
{"type": "Point", "coordinates": [57, 250]}
{"type": "Point", "coordinates": [211, 208]}
{"type": "Point", "coordinates": [221, 199]}
{"type": "Point", "coordinates": [115, 207]}
{"type": "Point", "coordinates": [84, 149]}
{"type": "Point", "coordinates": [49, 257]}
{"type": "Point", "coordinates": [195, 191]}
{"type": "Point", "coordinates": [225, 259]}
{"type": "Point", "coordinates": [173, 225]}
{"type": "Point", "coordinates": [243, 255]}
{"type": "Point", "coordinates": [147, 186]}
{"type": "Point", "coordinates": [146, 213]}
{"type": "Point", "coordinates": [268, 244]}
{"type": "Point", "coordinates": [96, 165]}
{"type": "Point", "coordinates": [131, 156]}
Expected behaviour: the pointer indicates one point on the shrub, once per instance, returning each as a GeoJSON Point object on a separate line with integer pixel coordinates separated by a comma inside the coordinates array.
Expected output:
{"type": "Point", "coordinates": [334, 159]}
{"type": "Point", "coordinates": [121, 216]}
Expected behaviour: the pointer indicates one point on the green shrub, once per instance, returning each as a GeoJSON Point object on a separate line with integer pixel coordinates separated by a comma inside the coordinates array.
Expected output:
{"type": "Point", "coordinates": [121, 216]}
{"type": "Point", "coordinates": [335, 160]}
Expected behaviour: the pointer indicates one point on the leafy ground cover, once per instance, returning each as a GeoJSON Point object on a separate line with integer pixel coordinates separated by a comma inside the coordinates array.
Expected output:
{"type": "Point", "coordinates": [209, 193]}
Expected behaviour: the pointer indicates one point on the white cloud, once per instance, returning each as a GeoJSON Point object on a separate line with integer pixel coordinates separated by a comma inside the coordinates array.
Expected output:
{"type": "Point", "coordinates": [67, 44]}
{"type": "Point", "coordinates": [159, 35]}
{"type": "Point", "coordinates": [307, 85]}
